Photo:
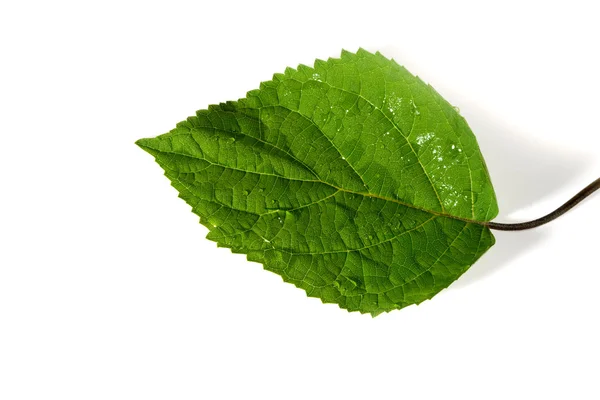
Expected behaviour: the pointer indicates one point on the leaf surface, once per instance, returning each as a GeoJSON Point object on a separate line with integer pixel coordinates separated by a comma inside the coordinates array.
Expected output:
{"type": "Point", "coordinates": [353, 180]}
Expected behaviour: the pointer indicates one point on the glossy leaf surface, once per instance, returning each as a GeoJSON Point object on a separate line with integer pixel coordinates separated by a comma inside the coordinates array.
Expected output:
{"type": "Point", "coordinates": [353, 180]}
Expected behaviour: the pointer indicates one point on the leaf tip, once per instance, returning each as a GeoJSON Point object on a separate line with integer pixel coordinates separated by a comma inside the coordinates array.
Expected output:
{"type": "Point", "coordinates": [146, 145]}
{"type": "Point", "coordinates": [142, 143]}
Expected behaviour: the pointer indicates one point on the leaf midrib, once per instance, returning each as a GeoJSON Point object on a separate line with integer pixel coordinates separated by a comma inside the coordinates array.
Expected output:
{"type": "Point", "coordinates": [340, 189]}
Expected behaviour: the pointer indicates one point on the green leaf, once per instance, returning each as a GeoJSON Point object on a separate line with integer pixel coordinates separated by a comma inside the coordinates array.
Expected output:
{"type": "Point", "coordinates": [353, 180]}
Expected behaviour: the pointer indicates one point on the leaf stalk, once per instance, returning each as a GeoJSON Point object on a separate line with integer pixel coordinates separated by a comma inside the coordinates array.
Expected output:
{"type": "Point", "coordinates": [578, 198]}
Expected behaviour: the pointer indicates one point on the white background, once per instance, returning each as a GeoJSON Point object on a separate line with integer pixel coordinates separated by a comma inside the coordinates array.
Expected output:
{"type": "Point", "coordinates": [108, 289]}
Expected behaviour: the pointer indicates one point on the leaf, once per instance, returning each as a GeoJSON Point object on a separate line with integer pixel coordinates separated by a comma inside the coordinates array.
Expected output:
{"type": "Point", "coordinates": [353, 180]}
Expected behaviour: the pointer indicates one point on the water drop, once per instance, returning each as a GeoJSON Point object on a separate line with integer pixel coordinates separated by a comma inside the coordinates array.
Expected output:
{"type": "Point", "coordinates": [245, 193]}
{"type": "Point", "coordinates": [424, 137]}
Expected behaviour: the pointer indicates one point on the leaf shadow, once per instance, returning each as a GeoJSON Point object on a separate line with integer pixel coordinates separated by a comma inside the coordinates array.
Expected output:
{"type": "Point", "coordinates": [523, 171]}
{"type": "Point", "coordinates": [508, 247]}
